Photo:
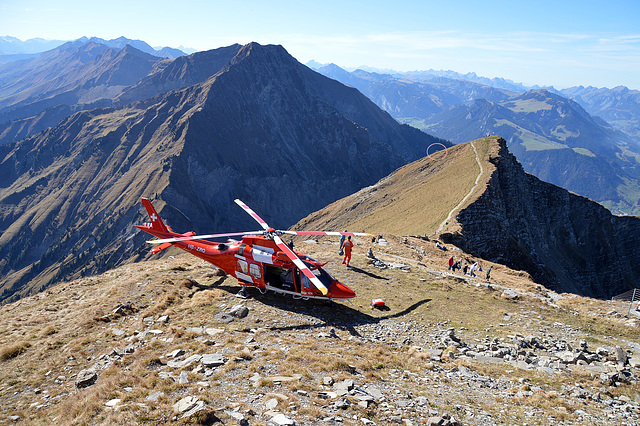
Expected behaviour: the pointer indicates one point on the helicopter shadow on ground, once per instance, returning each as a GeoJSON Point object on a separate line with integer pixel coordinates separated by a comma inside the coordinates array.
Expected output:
{"type": "Point", "coordinates": [367, 273]}
{"type": "Point", "coordinates": [200, 287]}
{"type": "Point", "coordinates": [331, 314]}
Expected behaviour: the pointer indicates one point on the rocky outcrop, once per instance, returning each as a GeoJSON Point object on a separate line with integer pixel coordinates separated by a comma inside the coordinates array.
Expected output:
{"type": "Point", "coordinates": [566, 242]}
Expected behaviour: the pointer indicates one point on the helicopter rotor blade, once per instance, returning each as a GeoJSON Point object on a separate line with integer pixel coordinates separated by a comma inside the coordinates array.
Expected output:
{"type": "Point", "coordinates": [202, 237]}
{"type": "Point", "coordinates": [300, 265]}
{"type": "Point", "coordinates": [252, 214]}
{"type": "Point", "coordinates": [353, 234]}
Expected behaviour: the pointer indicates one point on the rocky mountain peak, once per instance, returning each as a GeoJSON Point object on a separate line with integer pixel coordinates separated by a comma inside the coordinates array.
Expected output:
{"type": "Point", "coordinates": [250, 123]}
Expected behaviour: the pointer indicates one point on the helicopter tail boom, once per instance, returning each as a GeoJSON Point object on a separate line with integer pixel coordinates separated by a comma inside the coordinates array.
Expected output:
{"type": "Point", "coordinates": [156, 223]}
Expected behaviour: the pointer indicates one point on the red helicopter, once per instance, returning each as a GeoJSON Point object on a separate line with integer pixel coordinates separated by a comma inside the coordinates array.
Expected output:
{"type": "Point", "coordinates": [260, 260]}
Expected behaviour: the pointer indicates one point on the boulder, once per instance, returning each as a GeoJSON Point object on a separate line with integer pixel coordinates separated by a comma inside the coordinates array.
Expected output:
{"type": "Point", "coordinates": [86, 378]}
{"type": "Point", "coordinates": [113, 402]}
{"type": "Point", "coordinates": [184, 363]}
{"type": "Point", "coordinates": [154, 396]}
{"type": "Point", "coordinates": [281, 420]}
{"type": "Point", "coordinates": [239, 311]}
{"type": "Point", "coordinates": [223, 318]}
{"type": "Point", "coordinates": [621, 356]}
{"type": "Point", "coordinates": [185, 404]}
{"type": "Point", "coordinates": [213, 360]}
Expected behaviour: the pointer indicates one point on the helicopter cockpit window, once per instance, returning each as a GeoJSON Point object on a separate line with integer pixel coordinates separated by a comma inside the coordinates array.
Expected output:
{"type": "Point", "coordinates": [254, 270]}
{"type": "Point", "coordinates": [322, 275]}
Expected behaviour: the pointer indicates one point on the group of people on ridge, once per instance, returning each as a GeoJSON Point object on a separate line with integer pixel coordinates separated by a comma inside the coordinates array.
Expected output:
{"type": "Point", "coordinates": [346, 245]}
{"type": "Point", "coordinates": [467, 269]}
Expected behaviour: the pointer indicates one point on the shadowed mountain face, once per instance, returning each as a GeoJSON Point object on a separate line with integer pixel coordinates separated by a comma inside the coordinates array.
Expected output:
{"type": "Point", "coordinates": [499, 213]}
{"type": "Point", "coordinates": [262, 128]}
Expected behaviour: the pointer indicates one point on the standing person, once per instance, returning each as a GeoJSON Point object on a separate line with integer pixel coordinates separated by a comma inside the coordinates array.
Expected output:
{"type": "Point", "coordinates": [342, 240]}
{"type": "Point", "coordinates": [489, 272]}
{"type": "Point", "coordinates": [465, 268]}
{"type": "Point", "coordinates": [451, 263]}
{"type": "Point", "coordinates": [473, 269]}
{"type": "Point", "coordinates": [347, 251]}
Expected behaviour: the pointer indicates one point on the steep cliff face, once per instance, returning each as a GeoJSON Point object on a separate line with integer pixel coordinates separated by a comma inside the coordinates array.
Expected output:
{"type": "Point", "coordinates": [565, 241]}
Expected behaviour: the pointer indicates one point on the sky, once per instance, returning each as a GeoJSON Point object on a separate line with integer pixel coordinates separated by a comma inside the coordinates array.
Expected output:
{"type": "Point", "coordinates": [558, 43]}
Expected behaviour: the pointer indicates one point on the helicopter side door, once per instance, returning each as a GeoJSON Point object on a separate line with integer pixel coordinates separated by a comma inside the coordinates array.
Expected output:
{"type": "Point", "coordinates": [306, 288]}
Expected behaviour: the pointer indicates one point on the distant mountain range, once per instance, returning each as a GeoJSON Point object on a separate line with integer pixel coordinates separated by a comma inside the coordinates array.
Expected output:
{"type": "Point", "coordinates": [192, 133]}
{"type": "Point", "coordinates": [13, 49]}
{"type": "Point", "coordinates": [554, 137]}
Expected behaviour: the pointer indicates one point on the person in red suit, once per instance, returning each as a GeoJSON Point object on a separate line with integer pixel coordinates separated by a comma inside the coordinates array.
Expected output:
{"type": "Point", "coordinates": [347, 250]}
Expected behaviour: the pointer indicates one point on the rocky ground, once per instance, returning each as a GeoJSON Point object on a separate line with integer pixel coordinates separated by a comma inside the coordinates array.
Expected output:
{"type": "Point", "coordinates": [169, 341]}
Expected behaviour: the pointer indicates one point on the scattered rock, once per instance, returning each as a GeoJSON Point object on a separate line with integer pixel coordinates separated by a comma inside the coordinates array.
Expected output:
{"type": "Point", "coordinates": [185, 404]}
{"type": "Point", "coordinates": [86, 378]}
{"type": "Point", "coordinates": [223, 318]}
{"type": "Point", "coordinates": [154, 396]}
{"type": "Point", "coordinates": [239, 311]}
{"type": "Point", "coordinates": [113, 402]}
{"type": "Point", "coordinates": [271, 403]}
{"type": "Point", "coordinates": [281, 420]}
{"type": "Point", "coordinates": [213, 360]}
{"type": "Point", "coordinates": [509, 295]}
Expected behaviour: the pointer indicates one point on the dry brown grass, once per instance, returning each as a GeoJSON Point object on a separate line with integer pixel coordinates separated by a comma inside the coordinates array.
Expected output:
{"type": "Point", "coordinates": [428, 301]}
{"type": "Point", "coordinates": [415, 199]}
{"type": "Point", "coordinates": [166, 301]}
{"type": "Point", "coordinates": [13, 350]}
{"type": "Point", "coordinates": [206, 297]}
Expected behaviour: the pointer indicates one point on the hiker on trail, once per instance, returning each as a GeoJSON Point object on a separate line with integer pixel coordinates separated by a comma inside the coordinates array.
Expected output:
{"type": "Point", "coordinates": [473, 268]}
{"type": "Point", "coordinates": [489, 272]}
{"type": "Point", "coordinates": [457, 265]}
{"type": "Point", "coordinates": [347, 251]}
{"type": "Point", "coordinates": [465, 268]}
{"type": "Point", "coordinates": [451, 263]}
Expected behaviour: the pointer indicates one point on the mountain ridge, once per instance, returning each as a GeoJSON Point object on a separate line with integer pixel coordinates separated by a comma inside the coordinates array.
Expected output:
{"type": "Point", "coordinates": [565, 241]}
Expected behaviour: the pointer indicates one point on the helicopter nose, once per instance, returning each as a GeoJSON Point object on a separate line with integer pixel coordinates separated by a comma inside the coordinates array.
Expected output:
{"type": "Point", "coordinates": [341, 291]}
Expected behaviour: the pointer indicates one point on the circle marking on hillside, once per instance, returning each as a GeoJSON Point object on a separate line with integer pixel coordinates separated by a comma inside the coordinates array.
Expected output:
{"type": "Point", "coordinates": [434, 155]}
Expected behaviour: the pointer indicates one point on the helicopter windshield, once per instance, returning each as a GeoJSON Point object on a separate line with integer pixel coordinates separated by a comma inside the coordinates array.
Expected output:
{"type": "Point", "coordinates": [322, 275]}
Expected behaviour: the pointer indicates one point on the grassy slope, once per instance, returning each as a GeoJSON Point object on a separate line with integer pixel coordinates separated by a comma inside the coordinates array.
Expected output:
{"type": "Point", "coordinates": [415, 199]}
